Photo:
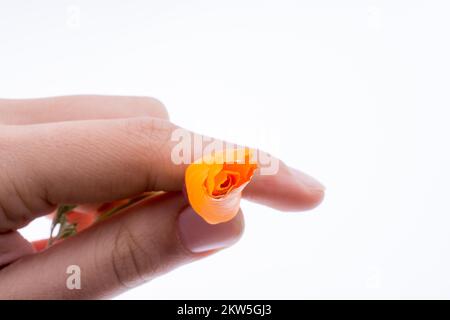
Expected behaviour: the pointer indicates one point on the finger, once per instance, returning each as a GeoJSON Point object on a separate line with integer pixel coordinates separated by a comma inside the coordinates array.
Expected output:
{"type": "Point", "coordinates": [288, 190]}
{"type": "Point", "coordinates": [72, 108]}
{"type": "Point", "coordinates": [103, 160]}
{"type": "Point", "coordinates": [120, 253]}
{"type": "Point", "coordinates": [12, 247]}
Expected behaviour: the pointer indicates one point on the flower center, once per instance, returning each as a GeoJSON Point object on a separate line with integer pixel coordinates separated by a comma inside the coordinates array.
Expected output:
{"type": "Point", "coordinates": [224, 181]}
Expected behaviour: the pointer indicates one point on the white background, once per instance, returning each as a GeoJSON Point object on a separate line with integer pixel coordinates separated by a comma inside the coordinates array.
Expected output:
{"type": "Point", "coordinates": [353, 92]}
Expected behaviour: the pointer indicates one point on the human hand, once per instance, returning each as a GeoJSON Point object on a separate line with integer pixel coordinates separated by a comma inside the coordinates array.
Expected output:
{"type": "Point", "coordinates": [95, 149]}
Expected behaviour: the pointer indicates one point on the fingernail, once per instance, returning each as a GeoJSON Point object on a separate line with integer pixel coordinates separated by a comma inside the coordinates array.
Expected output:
{"type": "Point", "coordinates": [199, 236]}
{"type": "Point", "coordinates": [307, 180]}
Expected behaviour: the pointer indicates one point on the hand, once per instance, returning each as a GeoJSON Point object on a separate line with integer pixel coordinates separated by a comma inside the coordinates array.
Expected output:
{"type": "Point", "coordinates": [95, 149]}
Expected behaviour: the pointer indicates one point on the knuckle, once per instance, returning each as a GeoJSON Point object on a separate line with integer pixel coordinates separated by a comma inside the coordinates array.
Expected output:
{"type": "Point", "coordinates": [133, 264]}
{"type": "Point", "coordinates": [152, 138]}
{"type": "Point", "coordinates": [6, 222]}
{"type": "Point", "coordinates": [147, 144]}
{"type": "Point", "coordinates": [150, 128]}
{"type": "Point", "coordinates": [19, 200]}
{"type": "Point", "coordinates": [6, 140]}
{"type": "Point", "coordinates": [153, 108]}
{"type": "Point", "coordinates": [13, 212]}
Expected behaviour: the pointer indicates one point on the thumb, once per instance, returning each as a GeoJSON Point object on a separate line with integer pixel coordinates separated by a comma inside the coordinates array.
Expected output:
{"type": "Point", "coordinates": [146, 241]}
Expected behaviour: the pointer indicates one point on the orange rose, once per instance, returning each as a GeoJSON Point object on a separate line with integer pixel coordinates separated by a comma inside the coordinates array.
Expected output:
{"type": "Point", "coordinates": [214, 183]}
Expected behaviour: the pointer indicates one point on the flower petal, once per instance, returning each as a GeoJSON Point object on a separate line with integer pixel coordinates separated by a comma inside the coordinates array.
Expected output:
{"type": "Point", "coordinates": [214, 184]}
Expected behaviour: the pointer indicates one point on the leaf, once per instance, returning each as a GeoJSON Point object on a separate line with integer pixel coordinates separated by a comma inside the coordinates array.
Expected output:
{"type": "Point", "coordinates": [66, 229]}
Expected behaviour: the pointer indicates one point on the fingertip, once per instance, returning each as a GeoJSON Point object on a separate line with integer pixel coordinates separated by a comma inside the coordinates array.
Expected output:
{"type": "Point", "coordinates": [308, 202]}
{"type": "Point", "coordinates": [287, 190]}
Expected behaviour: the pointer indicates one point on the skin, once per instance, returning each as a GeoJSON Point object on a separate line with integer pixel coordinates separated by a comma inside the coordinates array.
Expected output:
{"type": "Point", "coordinates": [95, 149]}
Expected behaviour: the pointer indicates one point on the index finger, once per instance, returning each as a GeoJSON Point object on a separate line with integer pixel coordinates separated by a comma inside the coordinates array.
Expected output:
{"type": "Point", "coordinates": [103, 160]}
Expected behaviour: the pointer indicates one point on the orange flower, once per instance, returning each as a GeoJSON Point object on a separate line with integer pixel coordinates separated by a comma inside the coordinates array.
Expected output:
{"type": "Point", "coordinates": [214, 183]}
